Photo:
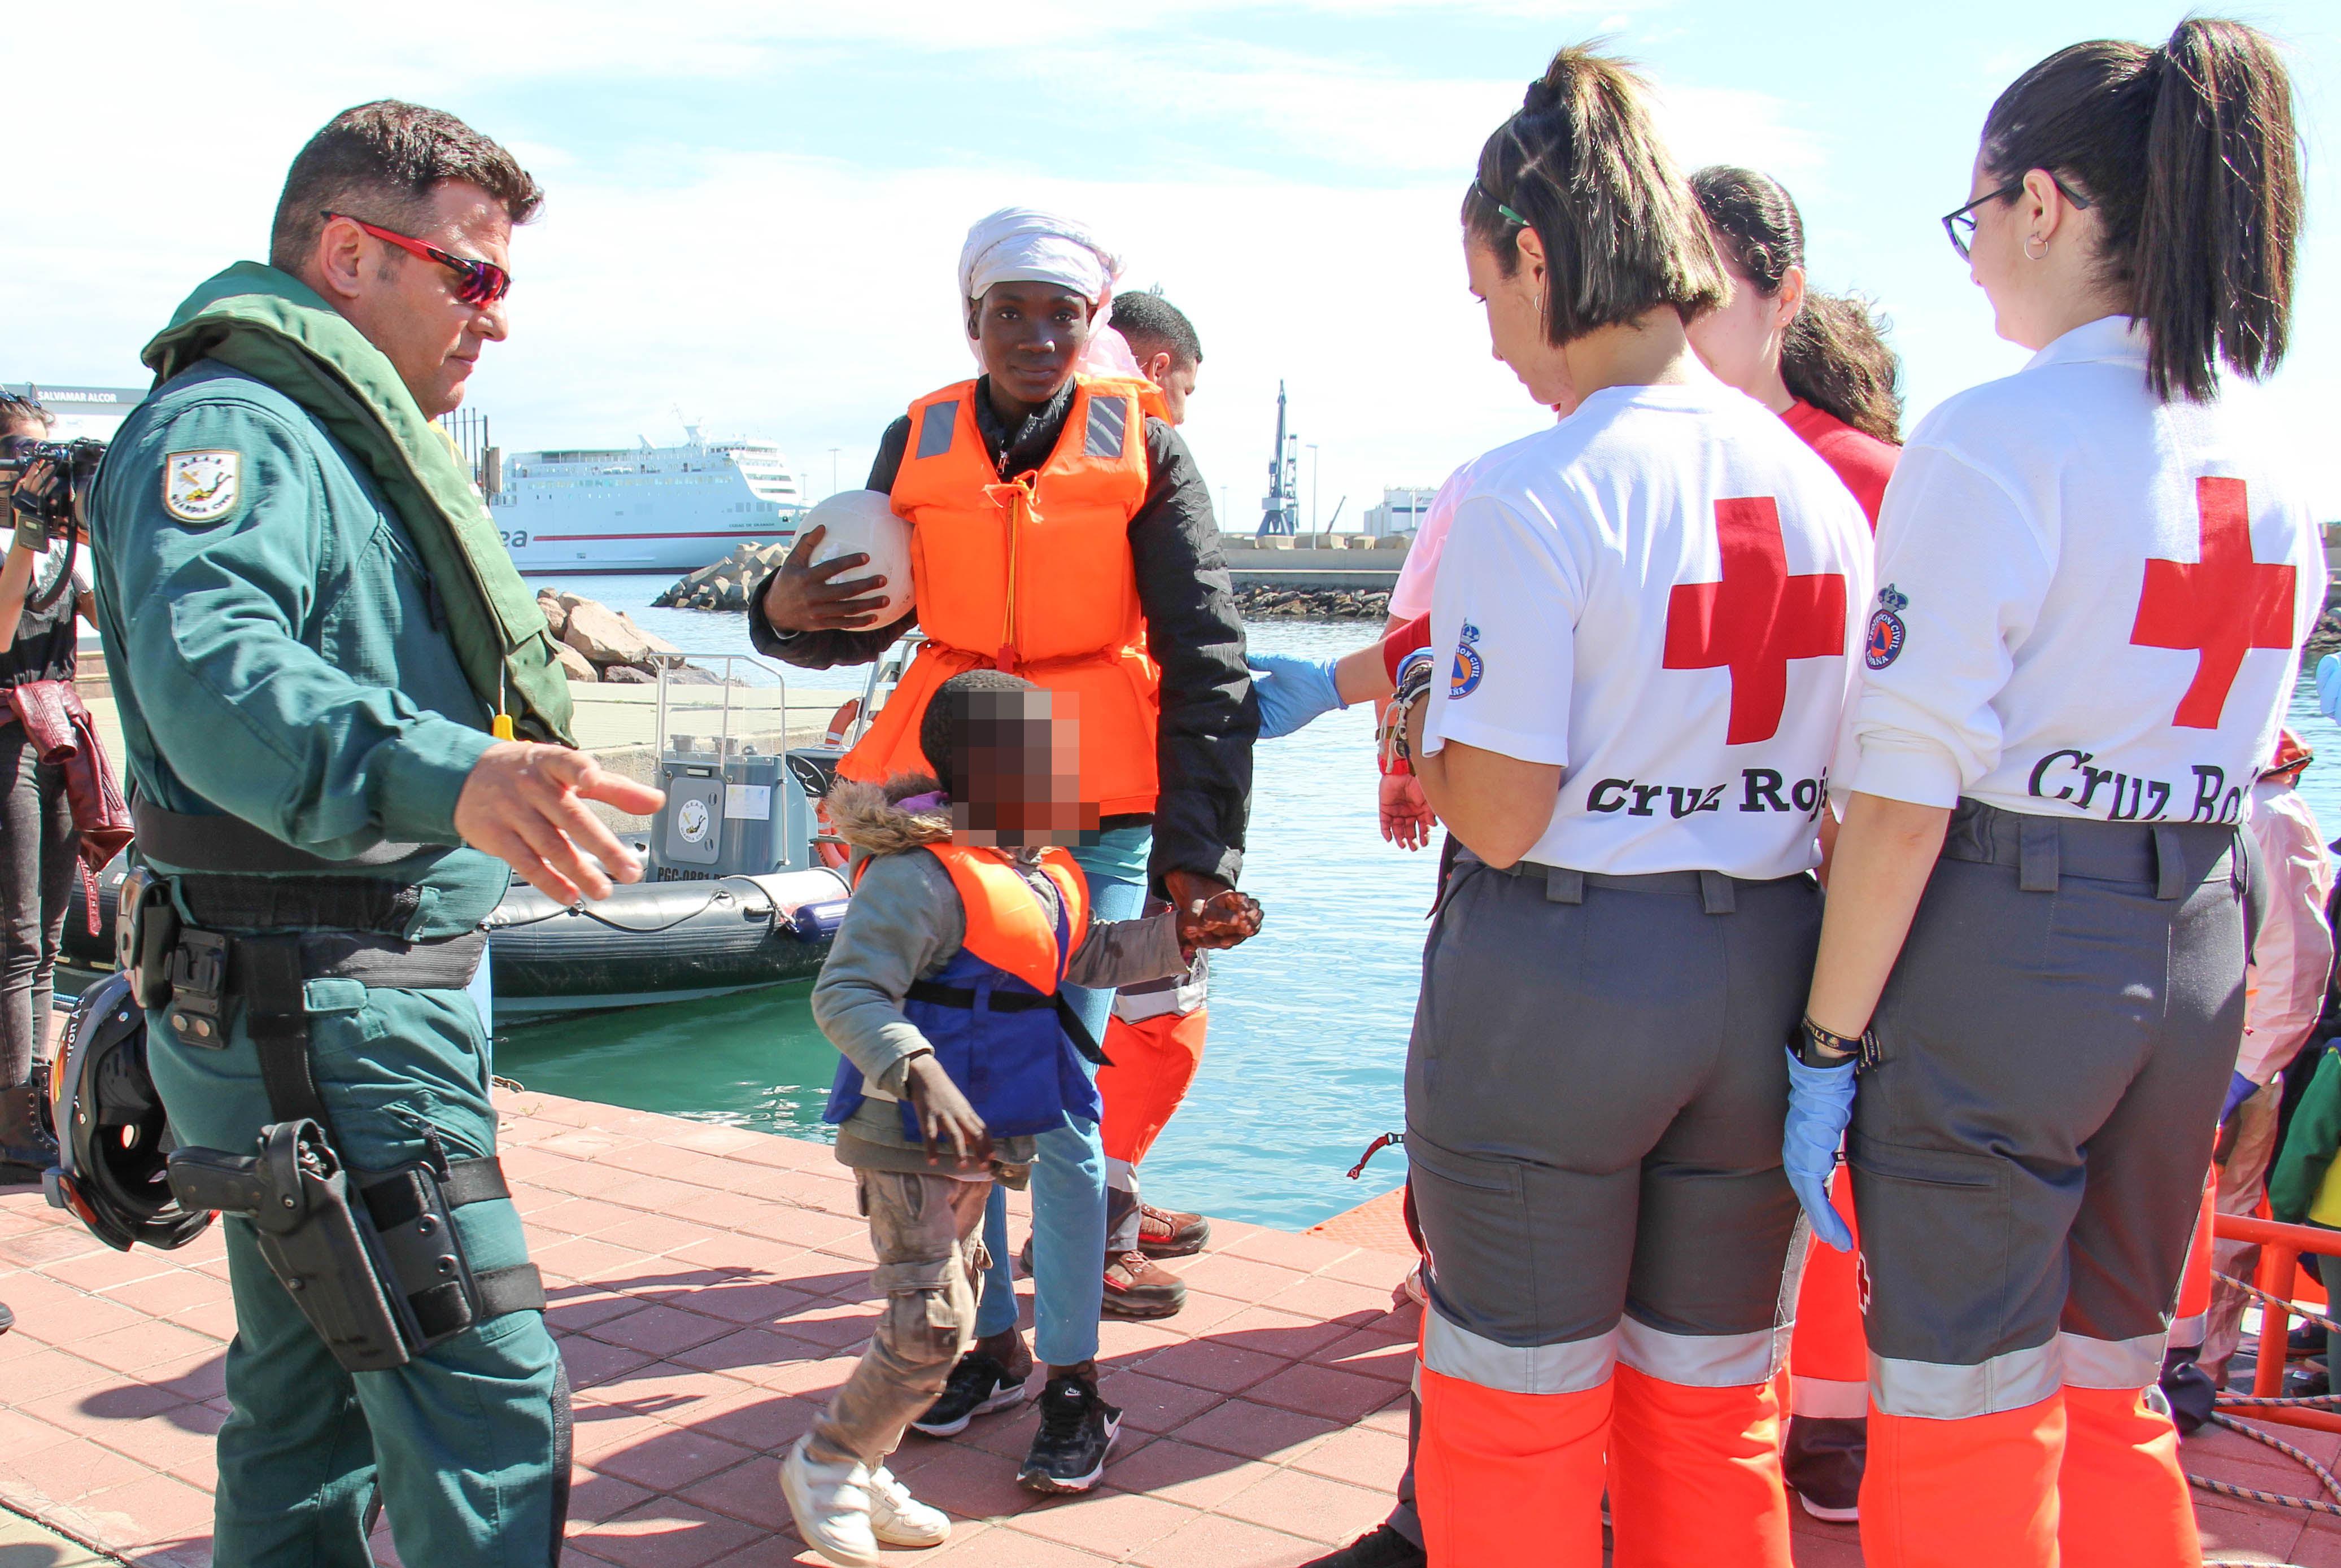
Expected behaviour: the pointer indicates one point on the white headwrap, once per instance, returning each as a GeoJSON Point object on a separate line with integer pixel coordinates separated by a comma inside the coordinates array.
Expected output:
{"type": "Point", "coordinates": [1024, 245]}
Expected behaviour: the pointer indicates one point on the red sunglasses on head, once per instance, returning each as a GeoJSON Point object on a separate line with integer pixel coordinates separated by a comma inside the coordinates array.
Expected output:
{"type": "Point", "coordinates": [484, 283]}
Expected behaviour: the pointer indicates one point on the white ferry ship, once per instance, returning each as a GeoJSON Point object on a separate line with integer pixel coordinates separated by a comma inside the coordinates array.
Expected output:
{"type": "Point", "coordinates": [652, 509]}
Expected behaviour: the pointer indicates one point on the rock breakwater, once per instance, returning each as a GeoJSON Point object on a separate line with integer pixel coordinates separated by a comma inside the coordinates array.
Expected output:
{"type": "Point", "coordinates": [727, 584]}
{"type": "Point", "coordinates": [1305, 604]}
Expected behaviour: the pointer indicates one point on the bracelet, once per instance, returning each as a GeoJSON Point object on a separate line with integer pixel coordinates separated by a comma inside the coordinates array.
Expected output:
{"type": "Point", "coordinates": [1819, 1047]}
{"type": "Point", "coordinates": [1413, 686]}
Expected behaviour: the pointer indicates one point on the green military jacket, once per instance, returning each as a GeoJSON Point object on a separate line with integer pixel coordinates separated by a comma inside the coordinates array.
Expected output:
{"type": "Point", "coordinates": [277, 650]}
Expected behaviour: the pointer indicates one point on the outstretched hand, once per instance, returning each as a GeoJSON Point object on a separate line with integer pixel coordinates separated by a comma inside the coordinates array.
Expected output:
{"type": "Point", "coordinates": [944, 1114]}
{"type": "Point", "coordinates": [1222, 921]}
{"type": "Point", "coordinates": [525, 804]}
{"type": "Point", "coordinates": [806, 598]}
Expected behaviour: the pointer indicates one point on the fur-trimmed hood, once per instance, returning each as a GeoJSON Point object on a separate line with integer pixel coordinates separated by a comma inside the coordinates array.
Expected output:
{"type": "Point", "coordinates": [868, 818]}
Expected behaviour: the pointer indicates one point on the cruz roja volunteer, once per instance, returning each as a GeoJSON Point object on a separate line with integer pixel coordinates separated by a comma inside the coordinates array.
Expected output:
{"type": "Point", "coordinates": [1060, 532]}
{"type": "Point", "coordinates": [1645, 625]}
{"type": "Point", "coordinates": [323, 657]}
{"type": "Point", "coordinates": [2094, 577]}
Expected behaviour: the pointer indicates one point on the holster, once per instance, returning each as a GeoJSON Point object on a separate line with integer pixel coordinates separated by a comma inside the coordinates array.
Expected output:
{"type": "Point", "coordinates": [374, 1262]}
{"type": "Point", "coordinates": [373, 1259]}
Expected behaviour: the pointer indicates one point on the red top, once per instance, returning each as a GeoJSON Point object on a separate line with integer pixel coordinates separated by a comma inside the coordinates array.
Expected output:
{"type": "Point", "coordinates": [1862, 461]}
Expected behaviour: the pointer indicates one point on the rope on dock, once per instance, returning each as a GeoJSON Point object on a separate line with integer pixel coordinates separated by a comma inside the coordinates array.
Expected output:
{"type": "Point", "coordinates": [2325, 1477]}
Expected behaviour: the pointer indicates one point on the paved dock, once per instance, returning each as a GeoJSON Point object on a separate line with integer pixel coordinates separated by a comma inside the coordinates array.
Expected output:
{"type": "Point", "coordinates": [710, 1287]}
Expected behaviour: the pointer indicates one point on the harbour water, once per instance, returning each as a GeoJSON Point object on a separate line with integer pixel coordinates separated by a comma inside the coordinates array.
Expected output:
{"type": "Point", "coordinates": [1308, 1021]}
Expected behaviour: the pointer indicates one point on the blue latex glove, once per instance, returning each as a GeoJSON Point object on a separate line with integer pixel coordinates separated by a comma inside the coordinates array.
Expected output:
{"type": "Point", "coordinates": [1820, 1104]}
{"type": "Point", "coordinates": [1292, 691]}
{"type": "Point", "coordinates": [2328, 686]}
{"type": "Point", "coordinates": [2239, 1089]}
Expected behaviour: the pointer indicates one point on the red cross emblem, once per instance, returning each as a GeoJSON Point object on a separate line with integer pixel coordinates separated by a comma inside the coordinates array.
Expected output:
{"type": "Point", "coordinates": [1756, 620]}
{"type": "Point", "coordinates": [2220, 606]}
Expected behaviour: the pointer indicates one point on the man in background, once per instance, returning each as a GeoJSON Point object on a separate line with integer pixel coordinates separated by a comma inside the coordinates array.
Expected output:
{"type": "Point", "coordinates": [1154, 1045]}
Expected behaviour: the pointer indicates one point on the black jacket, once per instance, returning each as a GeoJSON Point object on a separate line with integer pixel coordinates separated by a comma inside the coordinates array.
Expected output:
{"type": "Point", "coordinates": [1210, 717]}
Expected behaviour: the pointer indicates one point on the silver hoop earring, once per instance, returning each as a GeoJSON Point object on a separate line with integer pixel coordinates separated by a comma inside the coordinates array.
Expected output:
{"type": "Point", "coordinates": [2032, 239]}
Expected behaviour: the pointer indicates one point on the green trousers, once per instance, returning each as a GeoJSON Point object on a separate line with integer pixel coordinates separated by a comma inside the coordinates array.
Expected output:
{"type": "Point", "coordinates": [469, 1444]}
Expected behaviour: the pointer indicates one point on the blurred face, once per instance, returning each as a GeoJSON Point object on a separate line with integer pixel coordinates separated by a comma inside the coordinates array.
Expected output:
{"type": "Point", "coordinates": [1175, 376]}
{"type": "Point", "coordinates": [405, 305]}
{"type": "Point", "coordinates": [1018, 772]}
{"type": "Point", "coordinates": [1031, 336]}
{"type": "Point", "coordinates": [1515, 307]}
{"type": "Point", "coordinates": [1740, 339]}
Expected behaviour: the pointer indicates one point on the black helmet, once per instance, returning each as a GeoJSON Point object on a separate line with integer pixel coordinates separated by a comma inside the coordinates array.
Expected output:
{"type": "Point", "coordinates": [112, 1133]}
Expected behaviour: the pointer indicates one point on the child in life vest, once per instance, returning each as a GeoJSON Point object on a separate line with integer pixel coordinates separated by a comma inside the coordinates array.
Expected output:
{"type": "Point", "coordinates": [943, 993]}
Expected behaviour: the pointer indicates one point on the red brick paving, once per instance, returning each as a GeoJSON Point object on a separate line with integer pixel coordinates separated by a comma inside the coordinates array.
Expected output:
{"type": "Point", "coordinates": [709, 1286]}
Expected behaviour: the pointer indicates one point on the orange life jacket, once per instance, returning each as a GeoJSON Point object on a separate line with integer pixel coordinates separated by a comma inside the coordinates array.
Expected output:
{"type": "Point", "coordinates": [1006, 926]}
{"type": "Point", "coordinates": [1033, 576]}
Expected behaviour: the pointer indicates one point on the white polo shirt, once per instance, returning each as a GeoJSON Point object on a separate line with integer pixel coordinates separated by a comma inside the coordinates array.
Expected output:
{"type": "Point", "coordinates": [2091, 603]}
{"type": "Point", "coordinates": [1663, 594]}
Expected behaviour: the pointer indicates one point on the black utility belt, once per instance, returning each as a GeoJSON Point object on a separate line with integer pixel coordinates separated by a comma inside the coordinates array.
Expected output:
{"type": "Point", "coordinates": [205, 969]}
{"type": "Point", "coordinates": [194, 970]}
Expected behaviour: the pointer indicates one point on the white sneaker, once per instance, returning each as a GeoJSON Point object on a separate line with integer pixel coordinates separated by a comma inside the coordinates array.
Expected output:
{"type": "Point", "coordinates": [832, 1506]}
{"type": "Point", "coordinates": [899, 1519]}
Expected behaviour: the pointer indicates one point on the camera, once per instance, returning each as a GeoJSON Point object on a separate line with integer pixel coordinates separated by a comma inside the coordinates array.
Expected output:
{"type": "Point", "coordinates": [47, 484]}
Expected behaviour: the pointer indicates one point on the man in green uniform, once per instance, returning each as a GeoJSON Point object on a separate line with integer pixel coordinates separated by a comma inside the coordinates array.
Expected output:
{"type": "Point", "coordinates": [322, 656]}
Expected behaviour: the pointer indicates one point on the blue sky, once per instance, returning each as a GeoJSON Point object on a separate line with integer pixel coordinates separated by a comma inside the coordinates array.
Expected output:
{"type": "Point", "coordinates": [755, 208]}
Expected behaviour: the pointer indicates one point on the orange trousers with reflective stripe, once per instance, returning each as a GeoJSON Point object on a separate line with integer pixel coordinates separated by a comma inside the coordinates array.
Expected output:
{"type": "Point", "coordinates": [1151, 1065]}
{"type": "Point", "coordinates": [1828, 1355]}
{"type": "Point", "coordinates": [2194, 1281]}
{"type": "Point", "coordinates": [1515, 1480]}
{"type": "Point", "coordinates": [2100, 1468]}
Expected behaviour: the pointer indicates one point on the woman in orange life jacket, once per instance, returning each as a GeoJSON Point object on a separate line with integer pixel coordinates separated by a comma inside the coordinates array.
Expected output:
{"type": "Point", "coordinates": [1644, 630]}
{"type": "Point", "coordinates": [2094, 576]}
{"type": "Point", "coordinates": [1061, 530]}
{"type": "Point", "coordinates": [1816, 360]}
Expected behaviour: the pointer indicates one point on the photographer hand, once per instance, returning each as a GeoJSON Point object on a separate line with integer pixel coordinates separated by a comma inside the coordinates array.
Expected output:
{"type": "Point", "coordinates": [944, 1111]}
{"type": "Point", "coordinates": [525, 804]}
{"type": "Point", "coordinates": [804, 597]}
{"type": "Point", "coordinates": [1222, 921]}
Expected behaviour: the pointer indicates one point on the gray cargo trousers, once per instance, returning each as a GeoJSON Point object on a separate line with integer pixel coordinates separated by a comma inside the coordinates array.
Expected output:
{"type": "Point", "coordinates": [1595, 1094]}
{"type": "Point", "coordinates": [2028, 1154]}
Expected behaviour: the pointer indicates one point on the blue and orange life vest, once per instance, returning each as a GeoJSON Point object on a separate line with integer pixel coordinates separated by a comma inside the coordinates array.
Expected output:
{"type": "Point", "coordinates": [995, 1014]}
{"type": "Point", "coordinates": [1030, 575]}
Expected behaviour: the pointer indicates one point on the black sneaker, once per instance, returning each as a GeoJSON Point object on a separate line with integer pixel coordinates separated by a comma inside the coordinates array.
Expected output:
{"type": "Point", "coordinates": [1822, 1459]}
{"type": "Point", "coordinates": [978, 1385]}
{"type": "Point", "coordinates": [1077, 1428]}
{"type": "Point", "coordinates": [1383, 1548]}
{"type": "Point", "coordinates": [7, 1318]}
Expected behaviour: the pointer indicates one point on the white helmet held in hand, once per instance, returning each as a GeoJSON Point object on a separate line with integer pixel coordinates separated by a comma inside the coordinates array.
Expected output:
{"type": "Point", "coordinates": [862, 522]}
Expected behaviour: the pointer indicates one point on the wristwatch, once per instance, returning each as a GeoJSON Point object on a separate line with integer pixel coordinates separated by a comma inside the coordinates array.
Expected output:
{"type": "Point", "coordinates": [1818, 1048]}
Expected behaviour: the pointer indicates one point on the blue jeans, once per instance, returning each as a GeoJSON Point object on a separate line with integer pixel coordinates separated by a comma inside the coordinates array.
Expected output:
{"type": "Point", "coordinates": [1069, 1169]}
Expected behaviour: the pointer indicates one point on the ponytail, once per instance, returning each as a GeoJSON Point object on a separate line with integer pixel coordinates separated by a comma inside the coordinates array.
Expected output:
{"type": "Point", "coordinates": [2191, 159]}
{"type": "Point", "coordinates": [1582, 163]}
{"type": "Point", "coordinates": [1833, 356]}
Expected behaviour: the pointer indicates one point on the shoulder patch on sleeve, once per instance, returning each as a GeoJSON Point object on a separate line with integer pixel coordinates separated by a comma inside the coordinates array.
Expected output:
{"type": "Point", "coordinates": [202, 487]}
